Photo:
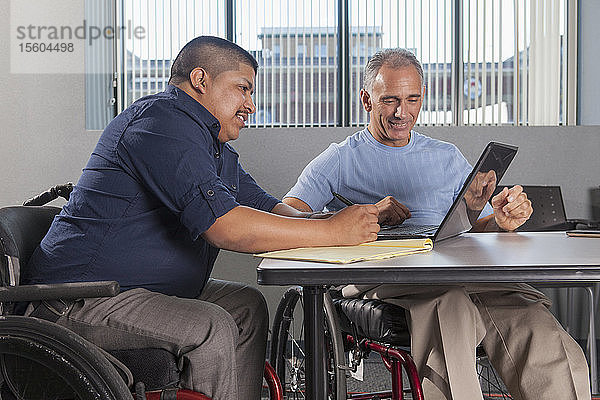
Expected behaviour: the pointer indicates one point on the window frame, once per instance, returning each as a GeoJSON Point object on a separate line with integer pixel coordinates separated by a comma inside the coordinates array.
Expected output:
{"type": "Point", "coordinates": [343, 117]}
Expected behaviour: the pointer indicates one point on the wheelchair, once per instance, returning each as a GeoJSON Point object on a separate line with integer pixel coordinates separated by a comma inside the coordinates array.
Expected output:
{"type": "Point", "coordinates": [42, 360]}
{"type": "Point", "coordinates": [353, 329]}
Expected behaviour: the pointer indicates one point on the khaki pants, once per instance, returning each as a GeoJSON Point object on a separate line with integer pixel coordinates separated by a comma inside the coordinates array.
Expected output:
{"type": "Point", "coordinates": [533, 354]}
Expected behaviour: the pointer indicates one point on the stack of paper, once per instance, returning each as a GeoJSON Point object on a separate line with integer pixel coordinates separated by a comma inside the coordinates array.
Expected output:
{"type": "Point", "coordinates": [378, 250]}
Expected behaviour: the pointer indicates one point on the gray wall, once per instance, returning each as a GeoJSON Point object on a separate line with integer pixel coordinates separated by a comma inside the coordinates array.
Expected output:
{"type": "Point", "coordinates": [42, 128]}
{"type": "Point", "coordinates": [43, 142]}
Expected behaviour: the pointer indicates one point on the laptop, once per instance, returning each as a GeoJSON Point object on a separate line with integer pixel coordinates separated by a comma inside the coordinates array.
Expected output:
{"type": "Point", "coordinates": [496, 157]}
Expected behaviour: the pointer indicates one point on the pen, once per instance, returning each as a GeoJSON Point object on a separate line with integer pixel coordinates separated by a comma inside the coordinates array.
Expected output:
{"type": "Point", "coordinates": [342, 199]}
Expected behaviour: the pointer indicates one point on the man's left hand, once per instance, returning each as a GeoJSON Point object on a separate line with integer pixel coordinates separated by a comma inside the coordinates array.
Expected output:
{"type": "Point", "coordinates": [391, 211]}
{"type": "Point", "coordinates": [511, 208]}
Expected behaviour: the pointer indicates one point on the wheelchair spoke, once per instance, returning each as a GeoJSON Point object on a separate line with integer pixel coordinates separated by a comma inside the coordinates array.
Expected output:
{"type": "Point", "coordinates": [491, 382]}
{"type": "Point", "coordinates": [41, 360]}
{"type": "Point", "coordinates": [290, 353]}
{"type": "Point", "coordinates": [295, 386]}
{"type": "Point", "coordinates": [296, 345]}
{"type": "Point", "coordinates": [300, 350]}
{"type": "Point", "coordinates": [295, 362]}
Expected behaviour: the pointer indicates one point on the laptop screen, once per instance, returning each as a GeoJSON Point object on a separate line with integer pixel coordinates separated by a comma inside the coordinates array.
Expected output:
{"type": "Point", "coordinates": [477, 189]}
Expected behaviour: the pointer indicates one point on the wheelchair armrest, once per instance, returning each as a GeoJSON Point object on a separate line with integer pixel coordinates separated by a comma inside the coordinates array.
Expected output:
{"type": "Point", "coordinates": [71, 290]}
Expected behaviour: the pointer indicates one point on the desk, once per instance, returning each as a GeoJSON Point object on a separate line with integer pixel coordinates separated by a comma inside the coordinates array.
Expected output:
{"type": "Point", "coordinates": [533, 257]}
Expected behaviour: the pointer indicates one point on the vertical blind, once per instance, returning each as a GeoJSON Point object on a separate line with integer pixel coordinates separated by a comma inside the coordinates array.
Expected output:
{"type": "Point", "coordinates": [99, 67]}
{"type": "Point", "coordinates": [485, 61]}
{"type": "Point", "coordinates": [295, 44]}
{"type": "Point", "coordinates": [145, 64]}
{"type": "Point", "coordinates": [513, 59]}
{"type": "Point", "coordinates": [515, 62]}
{"type": "Point", "coordinates": [423, 27]}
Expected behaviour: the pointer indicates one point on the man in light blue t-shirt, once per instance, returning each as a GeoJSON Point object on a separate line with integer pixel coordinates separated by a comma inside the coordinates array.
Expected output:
{"type": "Point", "coordinates": [414, 179]}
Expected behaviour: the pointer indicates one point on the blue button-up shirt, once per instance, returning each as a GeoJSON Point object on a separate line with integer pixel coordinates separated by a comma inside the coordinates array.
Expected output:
{"type": "Point", "coordinates": [157, 179]}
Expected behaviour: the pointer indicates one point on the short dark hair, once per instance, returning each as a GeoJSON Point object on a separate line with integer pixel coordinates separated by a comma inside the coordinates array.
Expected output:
{"type": "Point", "coordinates": [395, 58]}
{"type": "Point", "coordinates": [213, 54]}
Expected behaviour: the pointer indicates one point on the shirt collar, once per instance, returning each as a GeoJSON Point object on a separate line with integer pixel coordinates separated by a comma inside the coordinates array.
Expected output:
{"type": "Point", "coordinates": [195, 109]}
{"type": "Point", "coordinates": [390, 149]}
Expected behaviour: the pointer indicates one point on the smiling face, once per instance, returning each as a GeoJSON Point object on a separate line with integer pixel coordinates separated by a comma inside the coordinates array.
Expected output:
{"type": "Point", "coordinates": [394, 103]}
{"type": "Point", "coordinates": [228, 97]}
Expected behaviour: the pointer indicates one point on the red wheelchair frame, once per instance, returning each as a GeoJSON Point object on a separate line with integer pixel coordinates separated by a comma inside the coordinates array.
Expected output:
{"type": "Point", "coordinates": [275, 389]}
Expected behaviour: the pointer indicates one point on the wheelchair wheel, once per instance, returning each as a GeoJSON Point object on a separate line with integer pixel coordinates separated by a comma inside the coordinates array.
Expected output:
{"type": "Point", "coordinates": [287, 347]}
{"type": "Point", "coordinates": [42, 360]}
{"type": "Point", "coordinates": [492, 386]}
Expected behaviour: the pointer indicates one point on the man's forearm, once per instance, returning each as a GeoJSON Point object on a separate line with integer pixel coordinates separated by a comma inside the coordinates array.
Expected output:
{"type": "Point", "coordinates": [289, 211]}
{"type": "Point", "coordinates": [248, 230]}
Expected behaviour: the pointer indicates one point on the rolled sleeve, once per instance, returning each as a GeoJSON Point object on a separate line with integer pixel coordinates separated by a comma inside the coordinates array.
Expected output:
{"type": "Point", "coordinates": [213, 201]}
{"type": "Point", "coordinates": [174, 161]}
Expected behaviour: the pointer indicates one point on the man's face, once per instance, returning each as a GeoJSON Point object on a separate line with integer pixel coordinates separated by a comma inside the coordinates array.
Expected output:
{"type": "Point", "coordinates": [228, 98]}
{"type": "Point", "coordinates": [394, 104]}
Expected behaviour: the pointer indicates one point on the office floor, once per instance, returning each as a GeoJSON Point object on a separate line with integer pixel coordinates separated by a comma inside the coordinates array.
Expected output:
{"type": "Point", "coordinates": [377, 378]}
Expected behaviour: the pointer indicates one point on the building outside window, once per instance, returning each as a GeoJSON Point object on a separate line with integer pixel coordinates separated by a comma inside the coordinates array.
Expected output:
{"type": "Point", "coordinates": [485, 62]}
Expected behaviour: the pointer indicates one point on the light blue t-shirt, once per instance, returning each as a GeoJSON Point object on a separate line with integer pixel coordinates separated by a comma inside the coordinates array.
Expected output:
{"type": "Point", "coordinates": [426, 176]}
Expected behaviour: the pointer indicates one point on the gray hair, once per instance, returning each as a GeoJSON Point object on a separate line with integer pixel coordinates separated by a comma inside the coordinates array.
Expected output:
{"type": "Point", "coordinates": [394, 58]}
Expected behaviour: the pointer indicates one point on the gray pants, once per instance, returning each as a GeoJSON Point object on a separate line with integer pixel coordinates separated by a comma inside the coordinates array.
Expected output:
{"type": "Point", "coordinates": [535, 357]}
{"type": "Point", "coordinates": [220, 337]}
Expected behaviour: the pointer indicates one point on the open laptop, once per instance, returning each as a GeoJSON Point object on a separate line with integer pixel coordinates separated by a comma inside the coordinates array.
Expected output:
{"type": "Point", "coordinates": [496, 157]}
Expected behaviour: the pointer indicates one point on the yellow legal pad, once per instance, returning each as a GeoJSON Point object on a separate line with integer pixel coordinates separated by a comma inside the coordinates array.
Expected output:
{"type": "Point", "coordinates": [378, 250]}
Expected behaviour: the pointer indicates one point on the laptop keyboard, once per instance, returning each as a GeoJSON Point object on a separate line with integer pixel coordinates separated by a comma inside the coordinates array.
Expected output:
{"type": "Point", "coordinates": [408, 229]}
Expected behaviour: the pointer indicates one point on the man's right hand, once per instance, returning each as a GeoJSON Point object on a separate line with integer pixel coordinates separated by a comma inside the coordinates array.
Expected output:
{"type": "Point", "coordinates": [355, 224]}
{"type": "Point", "coordinates": [391, 211]}
{"type": "Point", "coordinates": [480, 190]}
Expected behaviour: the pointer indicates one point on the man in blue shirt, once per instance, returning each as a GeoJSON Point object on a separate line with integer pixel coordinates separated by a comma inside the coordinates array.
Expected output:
{"type": "Point", "coordinates": [162, 192]}
{"type": "Point", "coordinates": [413, 178]}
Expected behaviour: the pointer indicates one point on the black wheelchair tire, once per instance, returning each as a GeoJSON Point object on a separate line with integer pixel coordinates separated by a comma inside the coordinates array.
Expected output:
{"type": "Point", "coordinates": [280, 335]}
{"type": "Point", "coordinates": [79, 363]}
